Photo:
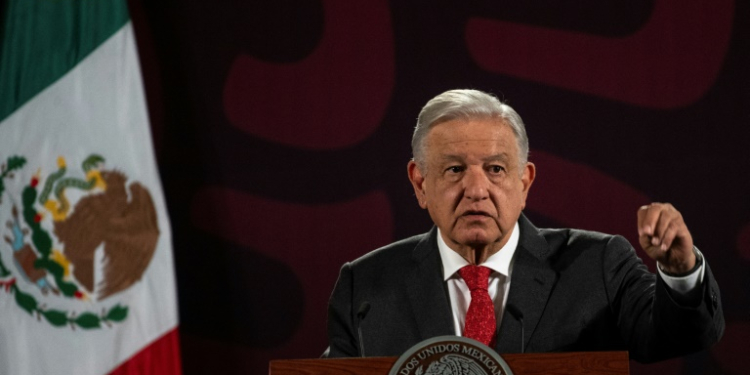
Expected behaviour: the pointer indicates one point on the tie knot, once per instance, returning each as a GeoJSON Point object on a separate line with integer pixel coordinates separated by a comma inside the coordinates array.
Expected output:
{"type": "Point", "coordinates": [476, 277]}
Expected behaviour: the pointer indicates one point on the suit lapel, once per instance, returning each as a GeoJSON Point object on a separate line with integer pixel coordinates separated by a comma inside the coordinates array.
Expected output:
{"type": "Point", "coordinates": [531, 283]}
{"type": "Point", "coordinates": [426, 290]}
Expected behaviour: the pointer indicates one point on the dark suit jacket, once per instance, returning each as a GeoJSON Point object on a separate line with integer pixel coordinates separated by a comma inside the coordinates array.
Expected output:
{"type": "Point", "coordinates": [577, 291]}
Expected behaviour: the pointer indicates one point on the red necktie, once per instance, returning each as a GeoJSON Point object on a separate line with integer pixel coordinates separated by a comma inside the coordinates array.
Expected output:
{"type": "Point", "coordinates": [480, 318]}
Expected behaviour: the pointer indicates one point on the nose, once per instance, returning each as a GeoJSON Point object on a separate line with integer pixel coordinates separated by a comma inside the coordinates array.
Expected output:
{"type": "Point", "coordinates": [476, 185]}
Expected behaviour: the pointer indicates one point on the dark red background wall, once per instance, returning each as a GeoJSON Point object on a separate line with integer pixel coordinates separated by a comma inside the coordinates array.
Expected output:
{"type": "Point", "coordinates": [282, 130]}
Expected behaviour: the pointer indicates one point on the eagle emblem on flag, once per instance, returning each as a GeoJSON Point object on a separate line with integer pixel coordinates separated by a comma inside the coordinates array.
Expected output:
{"type": "Point", "coordinates": [79, 234]}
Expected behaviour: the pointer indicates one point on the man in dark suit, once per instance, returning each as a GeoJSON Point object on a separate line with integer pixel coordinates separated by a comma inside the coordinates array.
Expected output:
{"type": "Point", "coordinates": [565, 289]}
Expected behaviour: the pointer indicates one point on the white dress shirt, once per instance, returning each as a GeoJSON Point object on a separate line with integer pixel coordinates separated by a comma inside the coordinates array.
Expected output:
{"type": "Point", "coordinates": [501, 264]}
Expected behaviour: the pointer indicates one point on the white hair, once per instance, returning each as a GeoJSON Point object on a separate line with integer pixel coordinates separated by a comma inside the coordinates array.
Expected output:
{"type": "Point", "coordinates": [466, 105]}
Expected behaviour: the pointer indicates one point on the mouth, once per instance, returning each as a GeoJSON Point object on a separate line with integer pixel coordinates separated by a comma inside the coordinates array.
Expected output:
{"type": "Point", "coordinates": [475, 214]}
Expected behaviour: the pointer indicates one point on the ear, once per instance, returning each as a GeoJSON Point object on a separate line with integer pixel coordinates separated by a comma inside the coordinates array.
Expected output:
{"type": "Point", "coordinates": [417, 182]}
{"type": "Point", "coordinates": [527, 178]}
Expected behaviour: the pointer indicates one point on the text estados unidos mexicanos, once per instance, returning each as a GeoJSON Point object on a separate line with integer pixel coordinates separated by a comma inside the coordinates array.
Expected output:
{"type": "Point", "coordinates": [452, 348]}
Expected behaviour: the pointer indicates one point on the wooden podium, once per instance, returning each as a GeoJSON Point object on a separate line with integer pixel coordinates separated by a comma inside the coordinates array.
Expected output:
{"type": "Point", "coordinates": [600, 363]}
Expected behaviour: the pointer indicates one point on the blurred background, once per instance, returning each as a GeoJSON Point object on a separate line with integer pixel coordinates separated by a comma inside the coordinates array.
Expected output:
{"type": "Point", "coordinates": [282, 131]}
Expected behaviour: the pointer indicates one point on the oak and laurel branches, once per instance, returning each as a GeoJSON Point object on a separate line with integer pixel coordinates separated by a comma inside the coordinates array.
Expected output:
{"type": "Point", "coordinates": [59, 318]}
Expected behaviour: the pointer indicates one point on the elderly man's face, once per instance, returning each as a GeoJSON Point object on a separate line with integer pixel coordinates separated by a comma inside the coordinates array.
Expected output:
{"type": "Point", "coordinates": [473, 186]}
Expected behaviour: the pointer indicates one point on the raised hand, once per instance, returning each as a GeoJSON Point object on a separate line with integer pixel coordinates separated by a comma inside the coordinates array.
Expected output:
{"type": "Point", "coordinates": [664, 236]}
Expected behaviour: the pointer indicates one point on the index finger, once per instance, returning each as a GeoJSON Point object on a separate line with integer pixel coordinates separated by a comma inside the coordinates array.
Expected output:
{"type": "Point", "coordinates": [648, 216]}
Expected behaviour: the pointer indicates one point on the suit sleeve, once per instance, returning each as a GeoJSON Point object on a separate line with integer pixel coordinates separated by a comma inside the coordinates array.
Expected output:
{"type": "Point", "coordinates": [653, 325]}
{"type": "Point", "coordinates": [342, 338]}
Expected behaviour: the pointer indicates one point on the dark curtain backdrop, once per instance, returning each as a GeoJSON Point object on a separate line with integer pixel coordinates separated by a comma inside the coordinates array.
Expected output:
{"type": "Point", "coordinates": [283, 127]}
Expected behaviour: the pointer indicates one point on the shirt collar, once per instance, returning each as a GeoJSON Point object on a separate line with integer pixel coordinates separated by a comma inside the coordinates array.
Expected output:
{"type": "Point", "coordinates": [498, 262]}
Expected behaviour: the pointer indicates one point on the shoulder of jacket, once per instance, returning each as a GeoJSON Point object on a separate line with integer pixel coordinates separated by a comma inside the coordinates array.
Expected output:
{"type": "Point", "coordinates": [569, 237]}
{"type": "Point", "coordinates": [395, 251]}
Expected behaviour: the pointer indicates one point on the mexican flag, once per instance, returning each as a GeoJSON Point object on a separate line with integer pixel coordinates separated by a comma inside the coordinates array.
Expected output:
{"type": "Point", "coordinates": [86, 271]}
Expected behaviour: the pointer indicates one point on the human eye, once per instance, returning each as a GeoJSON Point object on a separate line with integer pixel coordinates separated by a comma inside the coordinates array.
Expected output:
{"type": "Point", "coordinates": [454, 169]}
{"type": "Point", "coordinates": [496, 169]}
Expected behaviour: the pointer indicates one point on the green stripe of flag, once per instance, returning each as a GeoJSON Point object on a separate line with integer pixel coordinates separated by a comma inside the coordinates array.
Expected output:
{"type": "Point", "coordinates": [44, 39]}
